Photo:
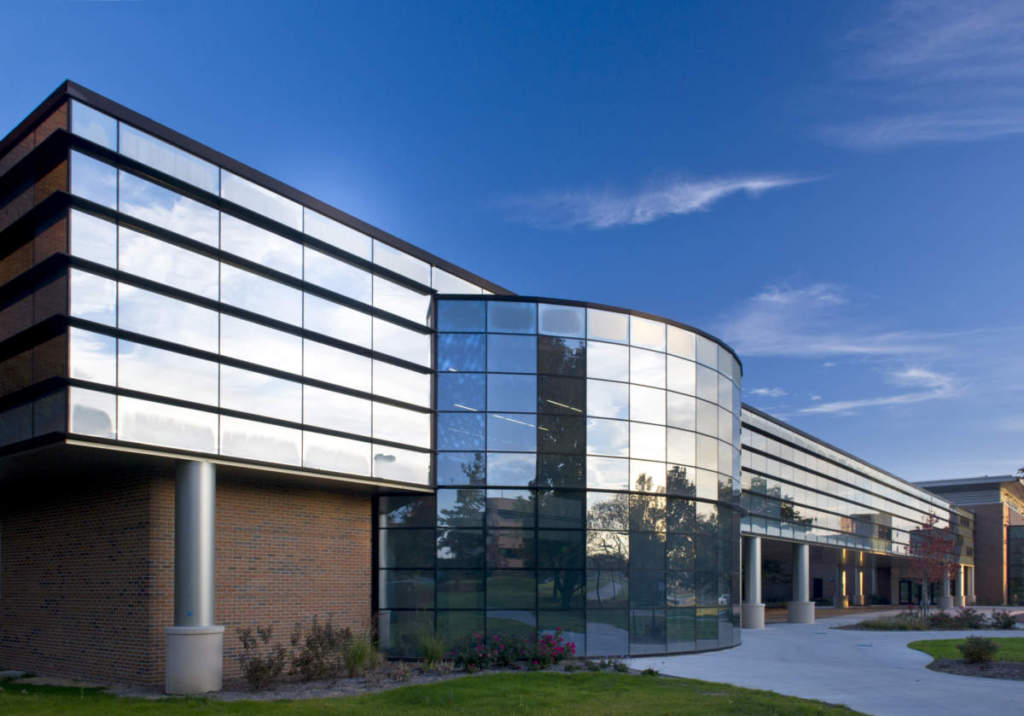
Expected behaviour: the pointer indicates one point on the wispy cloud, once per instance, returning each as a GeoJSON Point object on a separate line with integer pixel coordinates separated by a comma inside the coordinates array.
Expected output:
{"type": "Point", "coordinates": [769, 392]}
{"type": "Point", "coordinates": [785, 321]}
{"type": "Point", "coordinates": [602, 210]}
{"type": "Point", "coordinates": [927, 385]}
{"type": "Point", "coordinates": [961, 64]}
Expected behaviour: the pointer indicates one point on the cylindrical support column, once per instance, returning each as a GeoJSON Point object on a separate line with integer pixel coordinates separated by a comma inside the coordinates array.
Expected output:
{"type": "Point", "coordinates": [960, 598]}
{"type": "Point", "coordinates": [839, 598]}
{"type": "Point", "coordinates": [801, 609]}
{"type": "Point", "coordinates": [858, 579]}
{"type": "Point", "coordinates": [945, 596]}
{"type": "Point", "coordinates": [972, 596]}
{"type": "Point", "coordinates": [752, 609]}
{"type": "Point", "coordinates": [873, 572]}
{"type": "Point", "coordinates": [195, 645]}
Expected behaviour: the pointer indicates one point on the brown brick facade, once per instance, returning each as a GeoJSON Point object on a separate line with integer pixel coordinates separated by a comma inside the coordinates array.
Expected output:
{"type": "Point", "coordinates": [88, 571]}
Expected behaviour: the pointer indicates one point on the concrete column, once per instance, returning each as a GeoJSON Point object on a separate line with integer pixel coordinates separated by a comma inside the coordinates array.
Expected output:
{"type": "Point", "coordinates": [753, 608]}
{"type": "Point", "coordinates": [858, 579]}
{"type": "Point", "coordinates": [801, 609]}
{"type": "Point", "coordinates": [945, 597]}
{"type": "Point", "coordinates": [839, 598]}
{"type": "Point", "coordinates": [195, 645]}
{"type": "Point", "coordinates": [960, 599]}
{"type": "Point", "coordinates": [972, 596]}
{"type": "Point", "coordinates": [873, 572]}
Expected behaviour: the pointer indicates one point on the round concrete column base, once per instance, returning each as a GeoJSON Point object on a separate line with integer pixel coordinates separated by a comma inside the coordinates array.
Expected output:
{"type": "Point", "coordinates": [801, 612]}
{"type": "Point", "coordinates": [195, 659]}
{"type": "Point", "coordinates": [842, 603]}
{"type": "Point", "coordinates": [858, 600]}
{"type": "Point", "coordinates": [752, 616]}
{"type": "Point", "coordinates": [959, 601]}
{"type": "Point", "coordinates": [945, 602]}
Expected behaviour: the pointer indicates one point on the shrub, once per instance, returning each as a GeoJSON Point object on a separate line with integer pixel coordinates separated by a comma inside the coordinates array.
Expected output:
{"type": "Point", "coordinates": [941, 620]}
{"type": "Point", "coordinates": [432, 648]}
{"type": "Point", "coordinates": [552, 648]}
{"type": "Point", "coordinates": [978, 649]}
{"type": "Point", "coordinates": [320, 650]}
{"type": "Point", "coordinates": [620, 667]}
{"type": "Point", "coordinates": [260, 664]}
{"type": "Point", "coordinates": [967, 618]}
{"type": "Point", "coordinates": [1002, 619]}
{"type": "Point", "coordinates": [592, 665]}
{"type": "Point", "coordinates": [359, 654]}
{"type": "Point", "coordinates": [504, 650]}
{"type": "Point", "coordinates": [649, 672]}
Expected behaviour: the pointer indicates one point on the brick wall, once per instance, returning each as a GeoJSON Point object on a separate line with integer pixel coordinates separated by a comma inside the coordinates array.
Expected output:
{"type": "Point", "coordinates": [88, 571]}
{"type": "Point", "coordinates": [990, 553]}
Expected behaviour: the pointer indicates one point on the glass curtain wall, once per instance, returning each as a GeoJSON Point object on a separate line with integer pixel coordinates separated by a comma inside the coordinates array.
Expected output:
{"type": "Point", "coordinates": [586, 479]}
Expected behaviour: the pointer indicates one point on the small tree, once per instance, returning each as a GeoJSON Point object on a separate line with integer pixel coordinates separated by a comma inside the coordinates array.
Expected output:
{"type": "Point", "coordinates": [932, 556]}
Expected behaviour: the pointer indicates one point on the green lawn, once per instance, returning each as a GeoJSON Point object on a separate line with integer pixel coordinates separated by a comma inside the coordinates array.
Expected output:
{"type": "Point", "coordinates": [511, 693]}
{"type": "Point", "coordinates": [1010, 648]}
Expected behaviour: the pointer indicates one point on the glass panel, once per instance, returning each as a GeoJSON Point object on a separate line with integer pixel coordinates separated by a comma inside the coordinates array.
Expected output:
{"type": "Point", "coordinates": [562, 589]}
{"type": "Point", "coordinates": [607, 511]}
{"type": "Point", "coordinates": [92, 356]}
{"type": "Point", "coordinates": [406, 589]}
{"type": "Point", "coordinates": [337, 321]}
{"type": "Point", "coordinates": [261, 246]}
{"type": "Point", "coordinates": [510, 508]}
{"type": "Point", "coordinates": [401, 425]}
{"type": "Point", "coordinates": [725, 392]}
{"type": "Point", "coordinates": [681, 628]}
{"type": "Point", "coordinates": [607, 632]}
{"type": "Point", "coordinates": [460, 508]}
{"type": "Point", "coordinates": [337, 276]}
{"type": "Point", "coordinates": [607, 588]}
{"type": "Point", "coordinates": [707, 384]}
{"type": "Point", "coordinates": [93, 180]}
{"type": "Point", "coordinates": [401, 632]}
{"type": "Point", "coordinates": [460, 548]}
{"type": "Point", "coordinates": [333, 365]}
{"type": "Point", "coordinates": [444, 282]}
{"type": "Point", "coordinates": [607, 400]}
{"type": "Point", "coordinates": [154, 370]}
{"type": "Point", "coordinates": [93, 125]}
{"type": "Point", "coordinates": [153, 314]}
{"type": "Point", "coordinates": [401, 262]}
{"type": "Point", "coordinates": [460, 468]}
{"type": "Point", "coordinates": [262, 201]}
{"type": "Point", "coordinates": [607, 437]}
{"type": "Point", "coordinates": [511, 317]}
{"type": "Point", "coordinates": [607, 361]}
{"type": "Point", "coordinates": [707, 352]}
{"type": "Point", "coordinates": [561, 434]}
{"type": "Point", "coordinates": [92, 412]}
{"type": "Point", "coordinates": [399, 342]}
{"type": "Point", "coordinates": [519, 624]}
{"type": "Point", "coordinates": [515, 469]}
{"type": "Point", "coordinates": [93, 238]}
{"type": "Point", "coordinates": [646, 404]}
{"type": "Point", "coordinates": [561, 471]}
{"type": "Point", "coordinates": [682, 411]}
{"type": "Point", "coordinates": [460, 431]}
{"type": "Point", "coordinates": [335, 411]}
{"type": "Point", "coordinates": [460, 391]}
{"type": "Point", "coordinates": [561, 356]}
{"type": "Point", "coordinates": [561, 395]}
{"type": "Point", "coordinates": [337, 234]}
{"type": "Point", "coordinates": [707, 418]}
{"type": "Point", "coordinates": [251, 342]}
{"type": "Point", "coordinates": [562, 321]}
{"type": "Point", "coordinates": [647, 476]}
{"type": "Point", "coordinates": [647, 441]}
{"type": "Point", "coordinates": [167, 209]}
{"type": "Point", "coordinates": [563, 510]}
{"type": "Point", "coordinates": [647, 333]}
{"type": "Point", "coordinates": [460, 315]}
{"type": "Point", "coordinates": [682, 377]}
{"type": "Point", "coordinates": [259, 441]}
{"type": "Point", "coordinates": [647, 634]}
{"type": "Point", "coordinates": [707, 452]}
{"type": "Point", "coordinates": [143, 421]}
{"type": "Point", "coordinates": [682, 447]}
{"type": "Point", "coordinates": [512, 354]}
{"type": "Point", "coordinates": [392, 463]}
{"type": "Point", "coordinates": [402, 301]}
{"type": "Point", "coordinates": [406, 511]}
{"type": "Point", "coordinates": [516, 393]}
{"type": "Point", "coordinates": [681, 343]}
{"type": "Point", "coordinates": [327, 452]}
{"type": "Point", "coordinates": [512, 432]}
{"type": "Point", "coordinates": [607, 325]}
{"type": "Point", "coordinates": [393, 381]}
{"type": "Point", "coordinates": [510, 589]}
{"type": "Point", "coordinates": [646, 367]}
{"type": "Point", "coordinates": [260, 295]}
{"type": "Point", "coordinates": [460, 589]}
{"type": "Point", "coordinates": [511, 549]}
{"type": "Point", "coordinates": [169, 159]}
{"type": "Point", "coordinates": [165, 263]}
{"type": "Point", "coordinates": [607, 473]}
{"type": "Point", "coordinates": [410, 548]}
{"type": "Point", "coordinates": [460, 352]}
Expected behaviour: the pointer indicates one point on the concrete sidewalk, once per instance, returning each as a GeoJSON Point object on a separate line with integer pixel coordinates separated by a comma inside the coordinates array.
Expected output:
{"type": "Point", "coordinates": [872, 672]}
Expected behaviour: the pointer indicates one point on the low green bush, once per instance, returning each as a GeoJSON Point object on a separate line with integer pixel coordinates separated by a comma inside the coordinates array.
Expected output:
{"type": "Point", "coordinates": [432, 648]}
{"type": "Point", "coordinates": [261, 663]}
{"type": "Point", "coordinates": [319, 650]}
{"type": "Point", "coordinates": [1002, 619]}
{"type": "Point", "coordinates": [978, 649]}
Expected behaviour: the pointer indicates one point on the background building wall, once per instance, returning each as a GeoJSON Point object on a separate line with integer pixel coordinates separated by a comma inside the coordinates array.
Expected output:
{"type": "Point", "coordinates": [990, 553]}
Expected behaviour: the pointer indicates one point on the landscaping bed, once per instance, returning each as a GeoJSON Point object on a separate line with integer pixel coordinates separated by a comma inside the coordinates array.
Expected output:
{"type": "Point", "coordinates": [962, 619]}
{"type": "Point", "coordinates": [1007, 663]}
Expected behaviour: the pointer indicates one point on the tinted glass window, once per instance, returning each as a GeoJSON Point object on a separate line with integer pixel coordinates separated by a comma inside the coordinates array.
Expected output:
{"type": "Point", "coordinates": [461, 315]}
{"type": "Point", "coordinates": [512, 354]}
{"type": "Point", "coordinates": [457, 352]}
{"type": "Point", "coordinates": [511, 317]}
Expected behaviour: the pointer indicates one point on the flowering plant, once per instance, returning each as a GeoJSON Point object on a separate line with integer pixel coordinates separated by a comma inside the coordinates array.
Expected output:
{"type": "Point", "coordinates": [506, 650]}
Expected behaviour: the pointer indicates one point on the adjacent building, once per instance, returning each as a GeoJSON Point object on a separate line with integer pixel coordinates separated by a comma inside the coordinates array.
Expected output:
{"type": "Point", "coordinates": [224, 403]}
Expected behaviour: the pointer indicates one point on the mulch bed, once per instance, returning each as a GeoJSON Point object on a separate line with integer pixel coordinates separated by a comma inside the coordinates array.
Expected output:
{"type": "Point", "coordinates": [992, 670]}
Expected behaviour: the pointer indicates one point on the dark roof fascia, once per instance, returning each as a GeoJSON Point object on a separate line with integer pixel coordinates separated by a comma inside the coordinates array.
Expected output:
{"type": "Point", "coordinates": [967, 483]}
{"type": "Point", "coordinates": [69, 89]}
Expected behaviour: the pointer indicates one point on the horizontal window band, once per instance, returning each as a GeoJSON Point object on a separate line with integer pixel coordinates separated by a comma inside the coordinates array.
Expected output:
{"type": "Point", "coordinates": [238, 363]}
{"type": "Point", "coordinates": [33, 336]}
{"type": "Point", "coordinates": [43, 158]}
{"type": "Point", "coordinates": [226, 412]}
{"type": "Point", "coordinates": [25, 228]}
{"type": "Point", "coordinates": [231, 259]}
{"type": "Point", "coordinates": [32, 392]}
{"type": "Point", "coordinates": [50, 269]}
{"type": "Point", "coordinates": [235, 312]}
{"type": "Point", "coordinates": [214, 201]}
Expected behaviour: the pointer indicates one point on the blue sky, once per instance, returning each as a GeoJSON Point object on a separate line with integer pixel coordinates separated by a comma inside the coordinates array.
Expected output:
{"type": "Point", "coordinates": [834, 188]}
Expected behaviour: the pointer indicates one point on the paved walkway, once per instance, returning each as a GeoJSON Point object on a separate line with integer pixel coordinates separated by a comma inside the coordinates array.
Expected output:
{"type": "Point", "coordinates": [872, 672]}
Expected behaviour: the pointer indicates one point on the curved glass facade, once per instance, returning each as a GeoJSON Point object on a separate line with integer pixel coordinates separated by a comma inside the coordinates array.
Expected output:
{"type": "Point", "coordinates": [587, 478]}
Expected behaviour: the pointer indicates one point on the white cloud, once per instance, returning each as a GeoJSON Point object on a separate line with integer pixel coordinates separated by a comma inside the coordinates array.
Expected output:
{"type": "Point", "coordinates": [961, 65]}
{"type": "Point", "coordinates": [815, 397]}
{"type": "Point", "coordinates": [602, 210]}
{"type": "Point", "coordinates": [768, 392]}
{"type": "Point", "coordinates": [928, 384]}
